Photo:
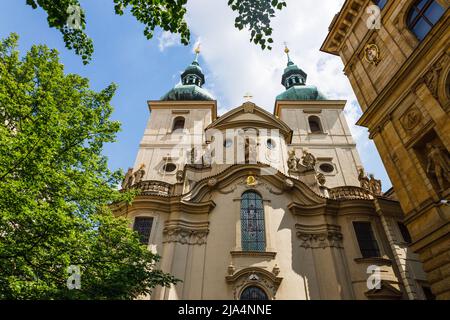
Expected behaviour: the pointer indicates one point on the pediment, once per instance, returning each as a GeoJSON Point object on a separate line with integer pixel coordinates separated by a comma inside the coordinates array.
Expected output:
{"type": "Point", "coordinates": [250, 115]}
{"type": "Point", "coordinates": [386, 292]}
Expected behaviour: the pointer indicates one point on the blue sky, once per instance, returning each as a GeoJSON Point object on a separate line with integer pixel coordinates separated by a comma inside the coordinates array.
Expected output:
{"type": "Point", "coordinates": [145, 70]}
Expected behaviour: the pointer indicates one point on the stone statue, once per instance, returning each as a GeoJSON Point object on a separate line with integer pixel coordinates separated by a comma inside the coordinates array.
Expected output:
{"type": "Point", "coordinates": [180, 176]}
{"type": "Point", "coordinates": [292, 161]}
{"type": "Point", "coordinates": [438, 165]}
{"type": "Point", "coordinates": [375, 185]}
{"type": "Point", "coordinates": [128, 179]}
{"type": "Point", "coordinates": [308, 160]}
{"type": "Point", "coordinates": [192, 155]}
{"type": "Point", "coordinates": [321, 179]}
{"type": "Point", "coordinates": [139, 175]}
{"type": "Point", "coordinates": [363, 179]}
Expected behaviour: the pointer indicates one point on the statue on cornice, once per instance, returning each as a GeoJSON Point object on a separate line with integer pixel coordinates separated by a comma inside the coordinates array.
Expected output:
{"type": "Point", "coordinates": [375, 185]}
{"type": "Point", "coordinates": [321, 179]}
{"type": "Point", "coordinates": [308, 160]}
{"type": "Point", "coordinates": [292, 161]}
{"type": "Point", "coordinates": [438, 165]}
{"type": "Point", "coordinates": [363, 179]}
{"type": "Point", "coordinates": [128, 179]}
{"type": "Point", "coordinates": [139, 175]}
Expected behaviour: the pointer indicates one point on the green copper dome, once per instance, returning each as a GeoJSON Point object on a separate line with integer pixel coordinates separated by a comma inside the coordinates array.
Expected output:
{"type": "Point", "coordinates": [187, 92]}
{"type": "Point", "coordinates": [190, 89]}
{"type": "Point", "coordinates": [294, 80]}
{"type": "Point", "coordinates": [302, 92]}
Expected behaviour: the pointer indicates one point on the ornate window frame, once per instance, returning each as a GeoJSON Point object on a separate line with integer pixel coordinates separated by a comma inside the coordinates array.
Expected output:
{"type": "Point", "coordinates": [254, 276]}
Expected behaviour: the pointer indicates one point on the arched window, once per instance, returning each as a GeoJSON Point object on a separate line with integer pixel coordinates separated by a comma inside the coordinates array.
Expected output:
{"type": "Point", "coordinates": [178, 123]}
{"type": "Point", "coordinates": [252, 222]}
{"type": "Point", "coordinates": [253, 293]}
{"type": "Point", "coordinates": [422, 16]}
{"type": "Point", "coordinates": [314, 124]}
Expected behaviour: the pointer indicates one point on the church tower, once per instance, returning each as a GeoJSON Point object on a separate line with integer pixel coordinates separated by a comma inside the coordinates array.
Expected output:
{"type": "Point", "coordinates": [254, 205]}
{"type": "Point", "coordinates": [171, 127]}
{"type": "Point", "coordinates": [319, 127]}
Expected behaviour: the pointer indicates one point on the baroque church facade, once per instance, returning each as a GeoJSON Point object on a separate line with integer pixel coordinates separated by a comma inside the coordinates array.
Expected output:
{"type": "Point", "coordinates": [255, 205]}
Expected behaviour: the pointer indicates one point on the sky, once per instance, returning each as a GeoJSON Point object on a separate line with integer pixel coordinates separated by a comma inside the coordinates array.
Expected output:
{"type": "Point", "coordinates": [146, 69]}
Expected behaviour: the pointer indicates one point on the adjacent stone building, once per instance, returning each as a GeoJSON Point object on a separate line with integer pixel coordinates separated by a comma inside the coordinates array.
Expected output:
{"type": "Point", "coordinates": [255, 205]}
{"type": "Point", "coordinates": [396, 56]}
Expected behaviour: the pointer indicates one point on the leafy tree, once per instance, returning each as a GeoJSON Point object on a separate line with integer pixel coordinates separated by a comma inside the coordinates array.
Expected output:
{"type": "Point", "coordinates": [55, 187]}
{"type": "Point", "coordinates": [69, 18]}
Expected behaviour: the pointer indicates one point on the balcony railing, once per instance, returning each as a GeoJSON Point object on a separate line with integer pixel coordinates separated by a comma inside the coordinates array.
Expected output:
{"type": "Point", "coordinates": [153, 187]}
{"type": "Point", "coordinates": [349, 192]}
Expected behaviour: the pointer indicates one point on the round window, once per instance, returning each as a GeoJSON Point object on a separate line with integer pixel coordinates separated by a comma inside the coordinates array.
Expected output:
{"type": "Point", "coordinates": [227, 143]}
{"type": "Point", "coordinates": [169, 167]}
{"type": "Point", "coordinates": [326, 167]}
{"type": "Point", "coordinates": [271, 144]}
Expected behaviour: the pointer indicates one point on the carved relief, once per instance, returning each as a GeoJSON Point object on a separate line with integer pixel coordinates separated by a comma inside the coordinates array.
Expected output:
{"type": "Point", "coordinates": [372, 54]}
{"type": "Point", "coordinates": [411, 118]}
{"type": "Point", "coordinates": [321, 236]}
{"type": "Point", "coordinates": [185, 235]}
{"type": "Point", "coordinates": [431, 78]}
{"type": "Point", "coordinates": [249, 107]}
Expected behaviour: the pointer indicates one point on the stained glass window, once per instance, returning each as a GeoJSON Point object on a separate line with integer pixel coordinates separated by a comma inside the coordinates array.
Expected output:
{"type": "Point", "coordinates": [143, 226]}
{"type": "Point", "coordinates": [253, 293]}
{"type": "Point", "coordinates": [252, 222]}
{"type": "Point", "coordinates": [423, 15]}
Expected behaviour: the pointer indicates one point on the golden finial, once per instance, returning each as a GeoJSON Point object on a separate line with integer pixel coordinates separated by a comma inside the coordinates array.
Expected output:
{"type": "Point", "coordinates": [197, 49]}
{"type": "Point", "coordinates": [286, 50]}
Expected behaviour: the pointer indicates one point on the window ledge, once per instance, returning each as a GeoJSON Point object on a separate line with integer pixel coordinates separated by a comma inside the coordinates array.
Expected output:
{"type": "Point", "coordinates": [253, 254]}
{"type": "Point", "coordinates": [374, 260]}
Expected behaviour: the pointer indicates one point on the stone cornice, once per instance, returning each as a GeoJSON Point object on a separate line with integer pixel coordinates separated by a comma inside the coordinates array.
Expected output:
{"type": "Point", "coordinates": [312, 104]}
{"type": "Point", "coordinates": [342, 23]}
{"type": "Point", "coordinates": [226, 120]}
{"type": "Point", "coordinates": [158, 104]}
{"type": "Point", "coordinates": [264, 254]}
{"type": "Point", "coordinates": [227, 177]}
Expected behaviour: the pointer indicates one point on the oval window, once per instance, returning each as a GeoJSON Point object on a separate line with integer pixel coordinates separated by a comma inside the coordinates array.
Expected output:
{"type": "Point", "coordinates": [326, 167]}
{"type": "Point", "coordinates": [271, 144]}
{"type": "Point", "coordinates": [169, 167]}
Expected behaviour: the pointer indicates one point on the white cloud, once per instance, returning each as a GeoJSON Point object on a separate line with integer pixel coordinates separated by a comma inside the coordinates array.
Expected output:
{"type": "Point", "coordinates": [237, 66]}
{"type": "Point", "coordinates": [167, 40]}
